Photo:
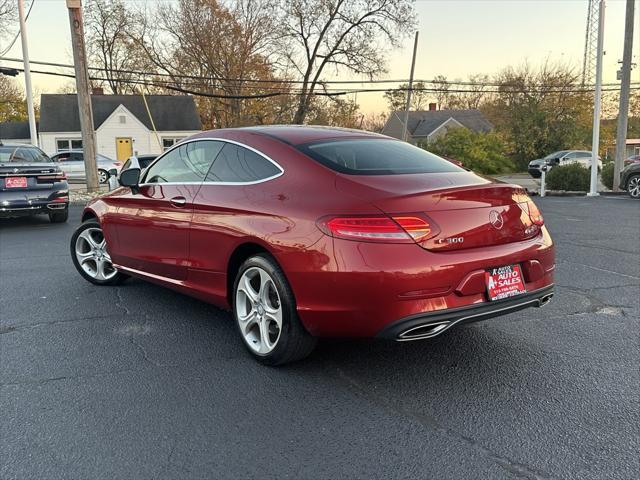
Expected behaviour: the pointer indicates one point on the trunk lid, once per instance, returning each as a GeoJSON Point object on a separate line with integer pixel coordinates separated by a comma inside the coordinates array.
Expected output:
{"type": "Point", "coordinates": [469, 211]}
{"type": "Point", "coordinates": [38, 174]}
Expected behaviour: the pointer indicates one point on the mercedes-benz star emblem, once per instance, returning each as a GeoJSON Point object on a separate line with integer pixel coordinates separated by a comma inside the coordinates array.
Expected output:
{"type": "Point", "coordinates": [496, 219]}
{"type": "Point", "coordinates": [16, 170]}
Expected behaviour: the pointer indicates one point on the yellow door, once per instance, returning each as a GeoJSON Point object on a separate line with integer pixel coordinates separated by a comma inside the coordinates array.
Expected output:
{"type": "Point", "coordinates": [123, 149]}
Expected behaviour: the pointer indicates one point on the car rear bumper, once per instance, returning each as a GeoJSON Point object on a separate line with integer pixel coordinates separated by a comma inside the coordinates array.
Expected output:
{"type": "Point", "coordinates": [429, 325]}
{"type": "Point", "coordinates": [358, 289]}
{"type": "Point", "coordinates": [25, 203]}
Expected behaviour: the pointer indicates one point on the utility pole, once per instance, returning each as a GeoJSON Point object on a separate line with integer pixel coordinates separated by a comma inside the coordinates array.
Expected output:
{"type": "Point", "coordinates": [408, 105]}
{"type": "Point", "coordinates": [27, 74]}
{"type": "Point", "coordinates": [84, 95]}
{"type": "Point", "coordinates": [595, 142]}
{"type": "Point", "coordinates": [623, 111]}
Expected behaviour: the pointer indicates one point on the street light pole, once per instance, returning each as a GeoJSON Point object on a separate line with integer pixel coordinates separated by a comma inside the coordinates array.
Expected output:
{"type": "Point", "coordinates": [27, 74]}
{"type": "Point", "coordinates": [625, 85]}
{"type": "Point", "coordinates": [408, 105]}
{"type": "Point", "coordinates": [84, 96]}
{"type": "Point", "coordinates": [595, 142]}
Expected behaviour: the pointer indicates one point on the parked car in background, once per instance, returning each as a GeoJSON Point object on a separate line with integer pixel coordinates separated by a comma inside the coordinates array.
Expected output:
{"type": "Point", "coordinates": [145, 160]}
{"type": "Point", "coordinates": [71, 162]}
{"type": "Point", "coordinates": [562, 157]}
{"type": "Point", "coordinates": [630, 179]}
{"type": "Point", "coordinates": [632, 159]}
{"type": "Point", "coordinates": [31, 183]}
{"type": "Point", "coordinates": [306, 232]}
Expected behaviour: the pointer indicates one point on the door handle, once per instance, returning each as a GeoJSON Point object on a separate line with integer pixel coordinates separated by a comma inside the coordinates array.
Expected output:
{"type": "Point", "coordinates": [178, 201]}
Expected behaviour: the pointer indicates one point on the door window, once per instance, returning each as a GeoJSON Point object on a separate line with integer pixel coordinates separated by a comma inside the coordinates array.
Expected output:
{"type": "Point", "coordinates": [187, 163]}
{"type": "Point", "coordinates": [236, 164]}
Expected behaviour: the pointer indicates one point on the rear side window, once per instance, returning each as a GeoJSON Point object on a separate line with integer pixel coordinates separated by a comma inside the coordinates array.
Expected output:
{"type": "Point", "coordinates": [376, 157]}
{"type": "Point", "coordinates": [237, 164]}
{"type": "Point", "coordinates": [23, 154]}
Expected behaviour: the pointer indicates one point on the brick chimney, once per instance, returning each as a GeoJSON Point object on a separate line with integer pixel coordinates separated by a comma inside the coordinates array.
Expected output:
{"type": "Point", "coordinates": [433, 106]}
{"type": "Point", "coordinates": [97, 91]}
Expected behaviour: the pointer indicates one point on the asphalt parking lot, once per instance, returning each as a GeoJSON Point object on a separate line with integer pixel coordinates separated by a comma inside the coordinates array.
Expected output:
{"type": "Point", "coordinates": [140, 382]}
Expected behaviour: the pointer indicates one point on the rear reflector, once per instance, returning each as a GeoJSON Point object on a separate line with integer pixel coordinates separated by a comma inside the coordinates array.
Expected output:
{"type": "Point", "coordinates": [400, 229]}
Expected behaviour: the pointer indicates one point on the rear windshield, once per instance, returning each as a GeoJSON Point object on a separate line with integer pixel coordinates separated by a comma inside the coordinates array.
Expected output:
{"type": "Point", "coordinates": [376, 157]}
{"type": "Point", "coordinates": [22, 155]}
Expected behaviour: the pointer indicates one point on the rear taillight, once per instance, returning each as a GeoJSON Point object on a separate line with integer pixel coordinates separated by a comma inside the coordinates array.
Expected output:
{"type": "Point", "coordinates": [117, 164]}
{"type": "Point", "coordinates": [534, 214]}
{"type": "Point", "coordinates": [378, 228]}
{"type": "Point", "coordinates": [54, 177]}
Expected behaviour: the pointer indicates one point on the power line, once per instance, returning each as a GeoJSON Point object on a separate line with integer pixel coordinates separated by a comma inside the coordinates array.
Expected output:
{"type": "Point", "coordinates": [279, 81]}
{"type": "Point", "coordinates": [334, 93]}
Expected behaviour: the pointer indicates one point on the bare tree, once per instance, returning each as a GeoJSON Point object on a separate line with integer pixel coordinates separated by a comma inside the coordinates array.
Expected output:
{"type": "Point", "coordinates": [397, 97]}
{"type": "Point", "coordinates": [226, 46]}
{"type": "Point", "coordinates": [109, 28]}
{"type": "Point", "coordinates": [441, 85]}
{"type": "Point", "coordinates": [8, 15]}
{"type": "Point", "coordinates": [345, 34]}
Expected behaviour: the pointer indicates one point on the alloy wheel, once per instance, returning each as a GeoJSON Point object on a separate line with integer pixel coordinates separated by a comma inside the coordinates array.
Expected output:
{"type": "Point", "coordinates": [103, 177]}
{"type": "Point", "coordinates": [634, 186]}
{"type": "Point", "coordinates": [93, 258]}
{"type": "Point", "coordinates": [258, 310]}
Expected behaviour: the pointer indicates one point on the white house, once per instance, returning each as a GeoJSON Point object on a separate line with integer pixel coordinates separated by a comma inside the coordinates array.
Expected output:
{"type": "Point", "coordinates": [427, 125]}
{"type": "Point", "coordinates": [15, 132]}
{"type": "Point", "coordinates": [122, 123]}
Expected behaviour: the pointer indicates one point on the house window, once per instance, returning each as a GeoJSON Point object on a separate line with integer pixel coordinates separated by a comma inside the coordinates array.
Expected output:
{"type": "Point", "coordinates": [168, 142]}
{"type": "Point", "coordinates": [123, 119]}
{"type": "Point", "coordinates": [63, 144]}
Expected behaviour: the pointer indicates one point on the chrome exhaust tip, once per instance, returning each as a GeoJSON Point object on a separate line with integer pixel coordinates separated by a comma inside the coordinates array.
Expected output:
{"type": "Point", "coordinates": [56, 206]}
{"type": "Point", "coordinates": [546, 299]}
{"type": "Point", "coordinates": [421, 332]}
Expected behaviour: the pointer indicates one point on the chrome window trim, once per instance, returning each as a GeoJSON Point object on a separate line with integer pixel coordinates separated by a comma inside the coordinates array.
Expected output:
{"type": "Point", "coordinates": [204, 182]}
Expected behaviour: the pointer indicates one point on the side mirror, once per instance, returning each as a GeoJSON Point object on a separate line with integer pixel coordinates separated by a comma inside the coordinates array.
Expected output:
{"type": "Point", "coordinates": [130, 177]}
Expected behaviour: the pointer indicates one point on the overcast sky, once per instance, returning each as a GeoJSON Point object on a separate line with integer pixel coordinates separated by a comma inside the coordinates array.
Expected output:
{"type": "Point", "coordinates": [457, 38]}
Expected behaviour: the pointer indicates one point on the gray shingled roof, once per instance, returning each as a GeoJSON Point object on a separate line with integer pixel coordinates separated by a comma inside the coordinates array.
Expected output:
{"type": "Point", "coordinates": [15, 131]}
{"type": "Point", "coordinates": [423, 123]}
{"type": "Point", "coordinates": [59, 112]}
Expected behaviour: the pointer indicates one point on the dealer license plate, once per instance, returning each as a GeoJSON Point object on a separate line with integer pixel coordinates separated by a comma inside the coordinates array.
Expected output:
{"type": "Point", "coordinates": [504, 282]}
{"type": "Point", "coordinates": [15, 182]}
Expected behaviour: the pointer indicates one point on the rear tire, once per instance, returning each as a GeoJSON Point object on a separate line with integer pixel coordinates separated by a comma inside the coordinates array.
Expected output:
{"type": "Point", "coordinates": [90, 255]}
{"type": "Point", "coordinates": [633, 186]}
{"type": "Point", "coordinates": [264, 310]}
{"type": "Point", "coordinates": [60, 216]}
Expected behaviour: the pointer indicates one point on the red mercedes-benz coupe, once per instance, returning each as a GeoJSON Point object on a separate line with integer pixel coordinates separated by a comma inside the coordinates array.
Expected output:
{"type": "Point", "coordinates": [308, 232]}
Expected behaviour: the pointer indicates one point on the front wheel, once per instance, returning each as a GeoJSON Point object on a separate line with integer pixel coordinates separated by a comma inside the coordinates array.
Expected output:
{"type": "Point", "coordinates": [633, 186]}
{"type": "Point", "coordinates": [89, 252]}
{"type": "Point", "coordinates": [265, 312]}
{"type": "Point", "coordinates": [103, 176]}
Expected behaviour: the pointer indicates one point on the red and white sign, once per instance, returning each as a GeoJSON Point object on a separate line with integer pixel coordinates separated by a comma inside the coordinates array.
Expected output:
{"type": "Point", "coordinates": [504, 282]}
{"type": "Point", "coordinates": [15, 182]}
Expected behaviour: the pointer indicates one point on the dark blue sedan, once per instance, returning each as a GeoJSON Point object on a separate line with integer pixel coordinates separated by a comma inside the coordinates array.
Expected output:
{"type": "Point", "coordinates": [31, 183]}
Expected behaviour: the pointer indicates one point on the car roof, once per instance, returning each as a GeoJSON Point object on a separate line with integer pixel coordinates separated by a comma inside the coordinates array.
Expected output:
{"type": "Point", "coordinates": [301, 134]}
{"type": "Point", "coordinates": [24, 145]}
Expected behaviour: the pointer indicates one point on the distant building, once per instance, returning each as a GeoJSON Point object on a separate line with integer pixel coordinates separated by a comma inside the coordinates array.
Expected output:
{"type": "Point", "coordinates": [632, 147]}
{"type": "Point", "coordinates": [122, 124]}
{"type": "Point", "coordinates": [15, 132]}
{"type": "Point", "coordinates": [427, 125]}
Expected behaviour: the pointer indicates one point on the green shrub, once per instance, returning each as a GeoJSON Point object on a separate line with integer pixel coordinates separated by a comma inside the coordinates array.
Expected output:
{"type": "Point", "coordinates": [573, 177]}
{"type": "Point", "coordinates": [607, 175]}
{"type": "Point", "coordinates": [480, 152]}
